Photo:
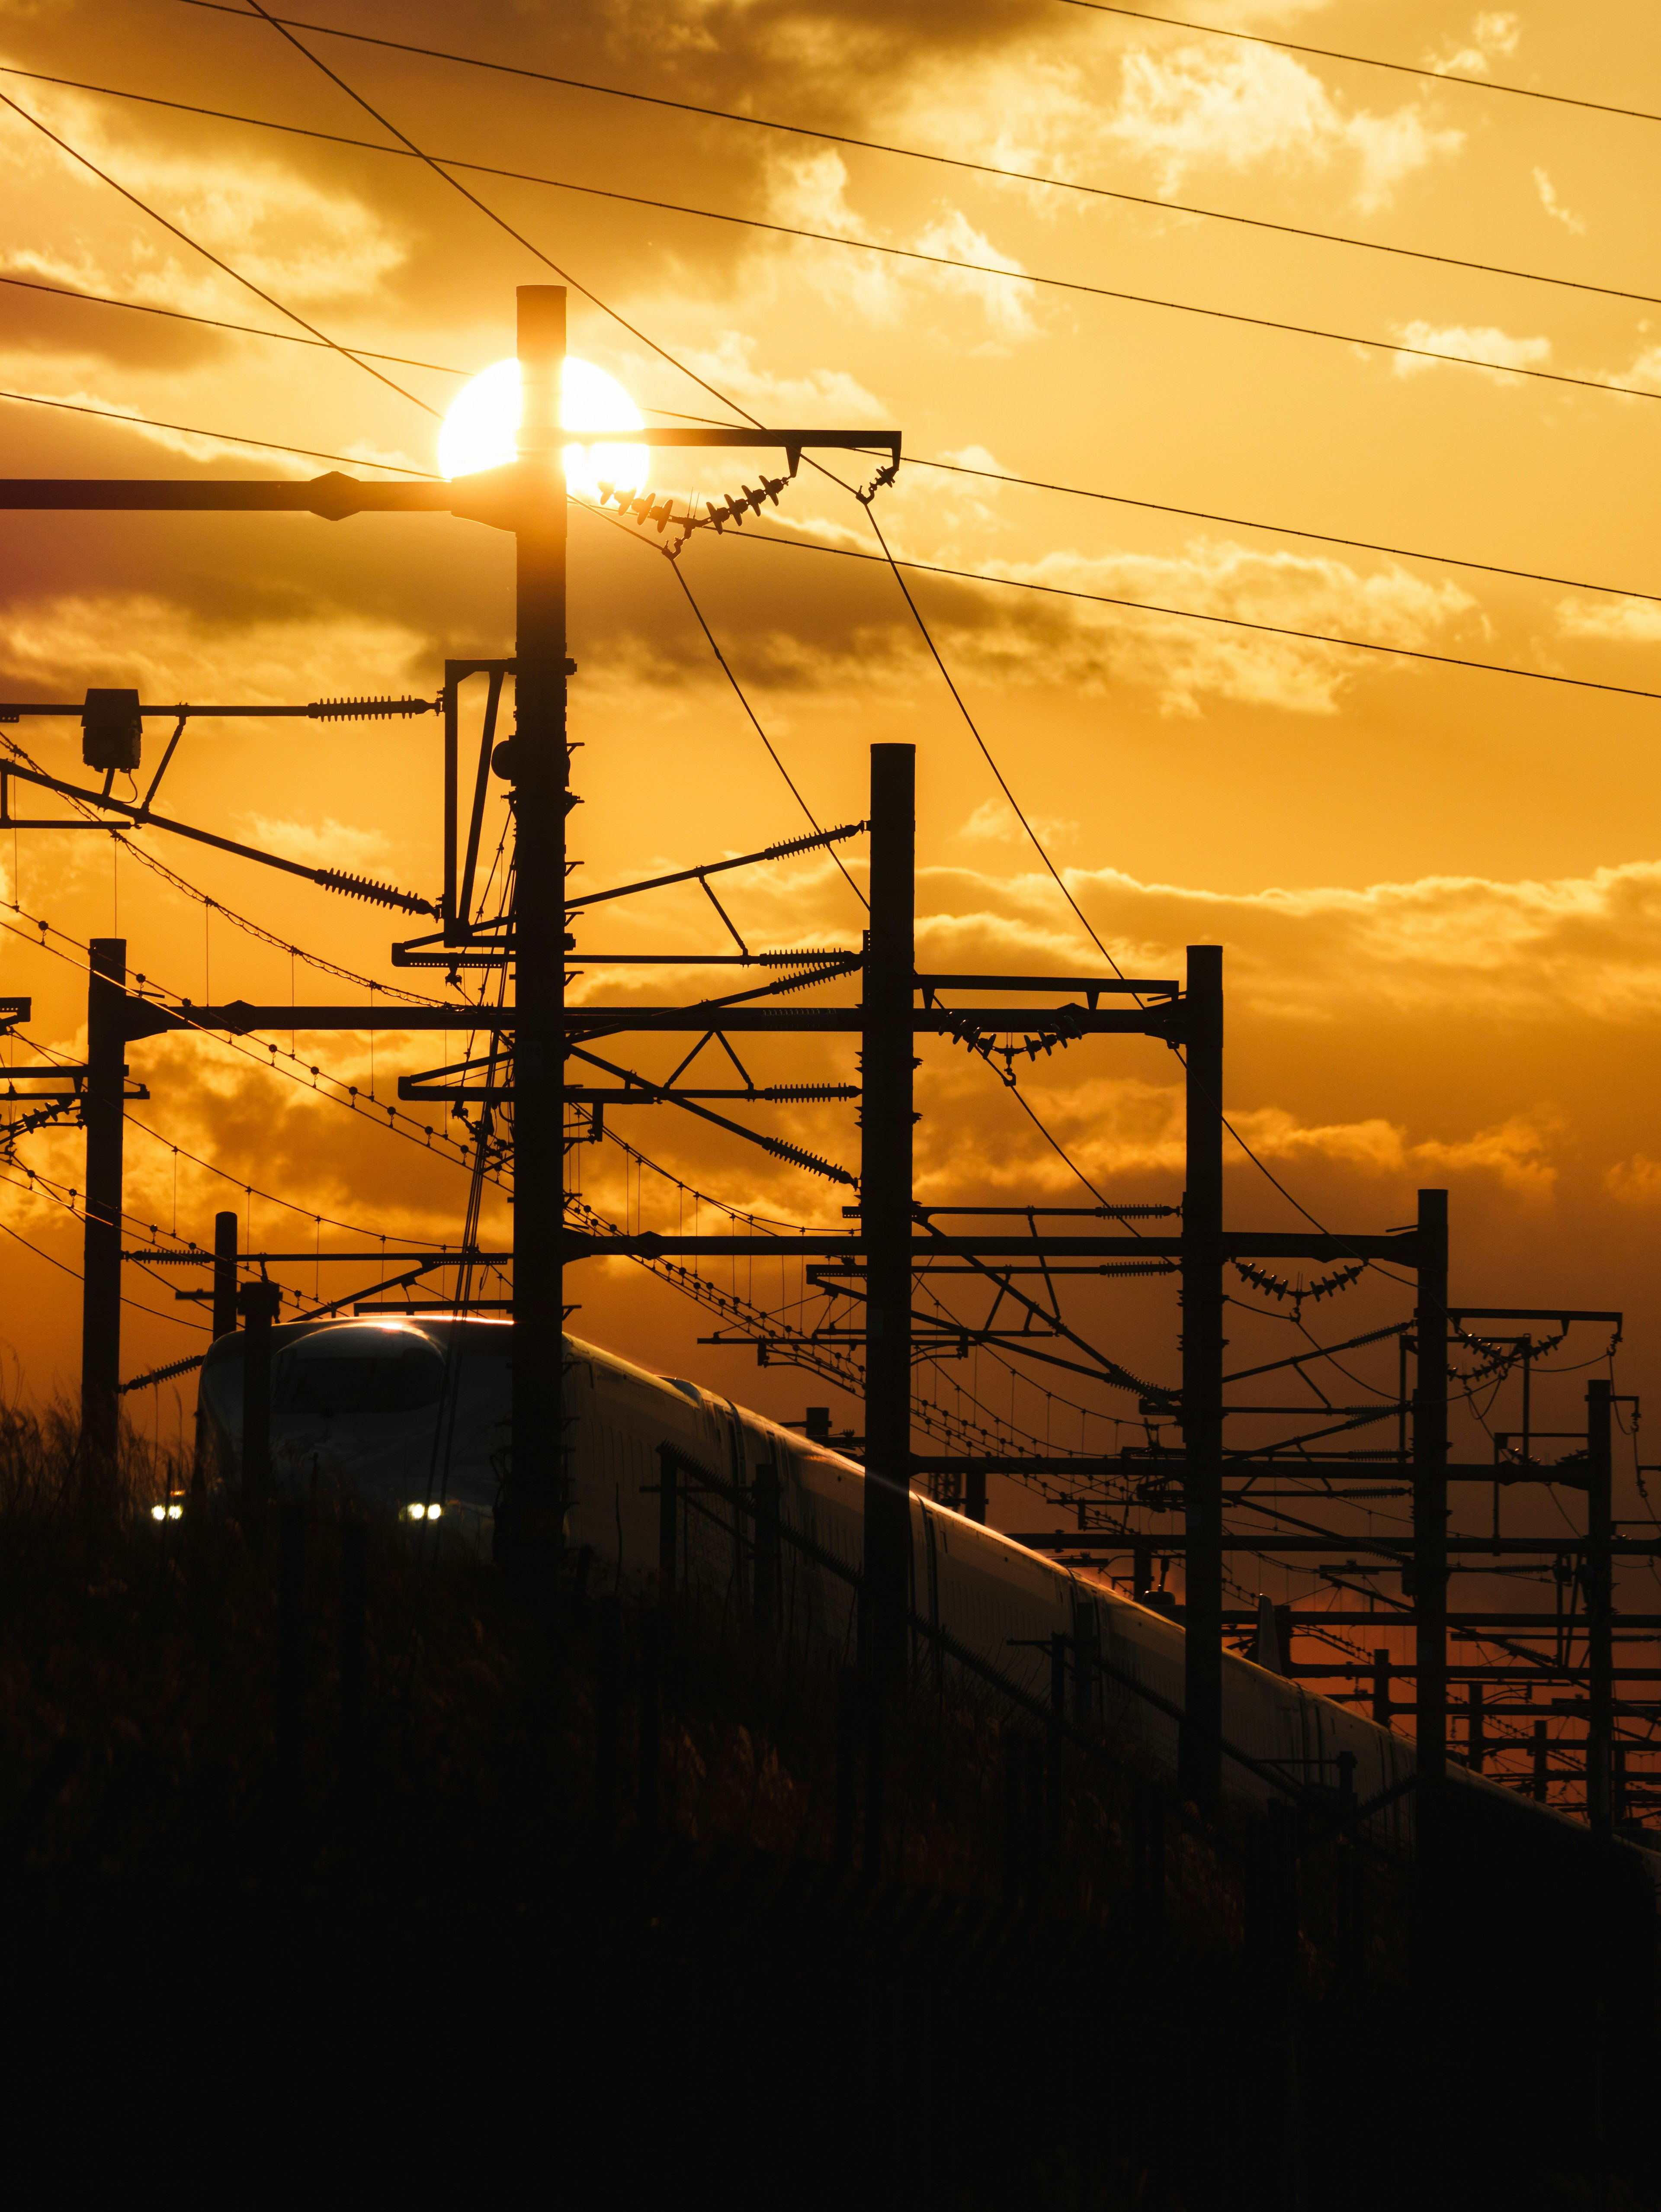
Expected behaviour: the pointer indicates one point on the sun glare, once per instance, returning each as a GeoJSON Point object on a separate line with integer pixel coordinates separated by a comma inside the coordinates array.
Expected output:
{"type": "Point", "coordinates": [482, 424]}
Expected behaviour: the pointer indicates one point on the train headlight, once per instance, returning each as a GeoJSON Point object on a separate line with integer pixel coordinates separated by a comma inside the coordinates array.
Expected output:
{"type": "Point", "coordinates": [417, 1513]}
{"type": "Point", "coordinates": [175, 1513]}
{"type": "Point", "coordinates": [158, 1512]}
{"type": "Point", "coordinates": [433, 1512]}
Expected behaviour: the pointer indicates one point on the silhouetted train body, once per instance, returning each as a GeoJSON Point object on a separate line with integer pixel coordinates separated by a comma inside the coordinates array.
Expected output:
{"type": "Point", "coordinates": [407, 1414]}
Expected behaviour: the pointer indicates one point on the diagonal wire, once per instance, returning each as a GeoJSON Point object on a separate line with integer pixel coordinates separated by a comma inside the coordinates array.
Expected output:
{"type": "Point", "coordinates": [675, 569]}
{"type": "Point", "coordinates": [913, 460]}
{"type": "Point", "coordinates": [500, 222]}
{"type": "Point", "coordinates": [974, 732]}
{"type": "Point", "coordinates": [1368, 61]}
{"type": "Point", "coordinates": [961, 162]}
{"type": "Point", "coordinates": [223, 437]}
{"type": "Point", "coordinates": [196, 247]}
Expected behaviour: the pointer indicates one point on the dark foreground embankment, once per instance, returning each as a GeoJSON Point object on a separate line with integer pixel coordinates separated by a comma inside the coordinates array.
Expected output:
{"type": "Point", "coordinates": [331, 1898]}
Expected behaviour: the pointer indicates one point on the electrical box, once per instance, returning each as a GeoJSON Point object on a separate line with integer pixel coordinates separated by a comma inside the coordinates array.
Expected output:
{"type": "Point", "coordinates": [113, 730]}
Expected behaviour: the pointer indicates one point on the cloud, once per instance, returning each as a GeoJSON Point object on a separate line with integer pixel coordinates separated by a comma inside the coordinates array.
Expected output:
{"type": "Point", "coordinates": [1196, 108]}
{"type": "Point", "coordinates": [1632, 621]}
{"type": "Point", "coordinates": [1635, 1182]}
{"type": "Point", "coordinates": [1554, 206]}
{"type": "Point", "coordinates": [824, 393]}
{"type": "Point", "coordinates": [994, 822]}
{"type": "Point", "coordinates": [325, 844]}
{"type": "Point", "coordinates": [1517, 1151]}
{"type": "Point", "coordinates": [58, 645]}
{"type": "Point", "coordinates": [288, 235]}
{"type": "Point", "coordinates": [1574, 948]}
{"type": "Point", "coordinates": [1118, 1129]}
{"type": "Point", "coordinates": [1185, 661]}
{"type": "Point", "coordinates": [1494, 34]}
{"type": "Point", "coordinates": [1007, 306]}
{"type": "Point", "coordinates": [1483, 343]}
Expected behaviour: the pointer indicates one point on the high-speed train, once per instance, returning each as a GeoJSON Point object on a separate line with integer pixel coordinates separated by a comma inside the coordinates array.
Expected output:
{"type": "Point", "coordinates": [412, 1416]}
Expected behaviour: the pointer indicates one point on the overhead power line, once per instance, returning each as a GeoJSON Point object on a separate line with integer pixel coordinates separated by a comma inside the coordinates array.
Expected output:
{"type": "Point", "coordinates": [223, 437]}
{"type": "Point", "coordinates": [1000, 170]}
{"type": "Point", "coordinates": [1196, 614]}
{"type": "Point", "coordinates": [1059, 590]}
{"type": "Point", "coordinates": [1359, 61]}
{"type": "Point", "coordinates": [409, 145]}
{"type": "Point", "coordinates": [217, 323]}
{"type": "Point", "coordinates": [196, 247]}
{"type": "Point", "coordinates": [912, 460]}
{"type": "Point", "coordinates": [1025, 584]}
{"type": "Point", "coordinates": [1283, 530]}
{"type": "Point", "coordinates": [441, 165]}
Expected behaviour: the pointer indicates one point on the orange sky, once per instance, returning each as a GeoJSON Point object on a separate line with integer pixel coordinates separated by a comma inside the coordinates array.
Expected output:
{"type": "Point", "coordinates": [1439, 888]}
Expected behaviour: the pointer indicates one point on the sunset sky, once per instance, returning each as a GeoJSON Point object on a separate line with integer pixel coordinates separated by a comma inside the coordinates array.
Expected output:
{"type": "Point", "coordinates": [1438, 885]}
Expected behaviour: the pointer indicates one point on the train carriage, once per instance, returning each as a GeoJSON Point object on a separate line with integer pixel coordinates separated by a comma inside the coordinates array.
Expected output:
{"type": "Point", "coordinates": [413, 1416]}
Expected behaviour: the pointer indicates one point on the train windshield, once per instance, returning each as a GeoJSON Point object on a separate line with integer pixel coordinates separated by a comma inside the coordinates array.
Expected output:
{"type": "Point", "coordinates": [353, 1369]}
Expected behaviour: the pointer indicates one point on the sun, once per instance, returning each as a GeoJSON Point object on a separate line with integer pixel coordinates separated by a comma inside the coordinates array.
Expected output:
{"type": "Point", "coordinates": [482, 426]}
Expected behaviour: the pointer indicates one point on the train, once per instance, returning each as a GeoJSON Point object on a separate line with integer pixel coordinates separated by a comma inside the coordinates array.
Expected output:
{"type": "Point", "coordinates": [410, 1417]}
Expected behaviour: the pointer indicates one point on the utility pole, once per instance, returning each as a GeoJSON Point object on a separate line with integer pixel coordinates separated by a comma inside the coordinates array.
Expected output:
{"type": "Point", "coordinates": [261, 1303]}
{"type": "Point", "coordinates": [224, 1274]}
{"type": "Point", "coordinates": [1430, 1501]}
{"type": "Point", "coordinates": [1600, 1606]}
{"type": "Point", "coordinates": [101, 1285]}
{"type": "Point", "coordinates": [885, 1126]}
{"type": "Point", "coordinates": [539, 766]}
{"type": "Point", "coordinates": [1200, 1758]}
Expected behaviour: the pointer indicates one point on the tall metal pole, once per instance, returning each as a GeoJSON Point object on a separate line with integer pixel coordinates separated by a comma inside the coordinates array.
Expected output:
{"type": "Point", "coordinates": [886, 1122]}
{"type": "Point", "coordinates": [540, 764]}
{"type": "Point", "coordinates": [1600, 1610]}
{"type": "Point", "coordinates": [1429, 1500]}
{"type": "Point", "coordinates": [101, 1284]}
{"type": "Point", "coordinates": [1199, 1753]}
{"type": "Point", "coordinates": [224, 1274]}
{"type": "Point", "coordinates": [259, 1303]}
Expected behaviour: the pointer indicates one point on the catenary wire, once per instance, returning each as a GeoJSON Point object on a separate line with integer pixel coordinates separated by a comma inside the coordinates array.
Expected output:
{"type": "Point", "coordinates": [992, 169]}
{"type": "Point", "coordinates": [332, 74]}
{"type": "Point", "coordinates": [1196, 614]}
{"type": "Point", "coordinates": [238, 921]}
{"type": "Point", "coordinates": [1037, 842]}
{"type": "Point", "coordinates": [196, 247]}
{"type": "Point", "coordinates": [500, 221]}
{"type": "Point", "coordinates": [349, 1094]}
{"type": "Point", "coordinates": [1358, 61]}
{"type": "Point", "coordinates": [587, 508]}
{"type": "Point", "coordinates": [218, 322]}
{"type": "Point", "coordinates": [912, 461]}
{"type": "Point", "coordinates": [442, 166]}
{"type": "Point", "coordinates": [221, 437]}
{"type": "Point", "coordinates": [974, 732]}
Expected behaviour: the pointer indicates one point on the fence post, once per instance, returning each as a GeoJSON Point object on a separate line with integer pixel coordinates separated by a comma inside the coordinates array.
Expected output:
{"type": "Point", "coordinates": [879, 1694]}
{"type": "Point", "coordinates": [1053, 1751]}
{"type": "Point", "coordinates": [290, 1646]}
{"type": "Point", "coordinates": [847, 1755]}
{"type": "Point", "coordinates": [1038, 1860]}
{"type": "Point", "coordinates": [354, 1640]}
{"type": "Point", "coordinates": [654, 1636]}
{"type": "Point", "coordinates": [608, 1710]}
{"type": "Point", "coordinates": [1014, 1825]}
{"type": "Point", "coordinates": [1147, 1842]}
{"type": "Point", "coordinates": [1600, 1611]}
